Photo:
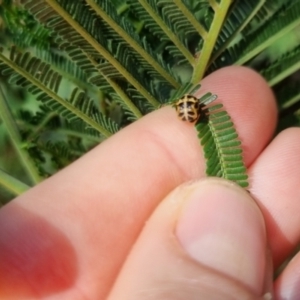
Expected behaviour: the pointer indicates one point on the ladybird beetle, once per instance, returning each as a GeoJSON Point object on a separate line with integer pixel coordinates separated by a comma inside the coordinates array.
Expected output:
{"type": "Point", "coordinates": [188, 108]}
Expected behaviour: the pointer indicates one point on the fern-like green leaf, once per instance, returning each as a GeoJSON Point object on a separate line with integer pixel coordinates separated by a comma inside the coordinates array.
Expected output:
{"type": "Point", "coordinates": [288, 96]}
{"type": "Point", "coordinates": [267, 10]}
{"type": "Point", "coordinates": [122, 32]}
{"type": "Point", "coordinates": [164, 23]}
{"type": "Point", "coordinates": [282, 67]}
{"type": "Point", "coordinates": [80, 28]}
{"type": "Point", "coordinates": [222, 148]}
{"type": "Point", "coordinates": [286, 19]}
{"type": "Point", "coordinates": [43, 82]}
{"type": "Point", "coordinates": [62, 153]}
{"type": "Point", "coordinates": [23, 29]}
{"type": "Point", "coordinates": [239, 16]}
{"type": "Point", "coordinates": [65, 66]}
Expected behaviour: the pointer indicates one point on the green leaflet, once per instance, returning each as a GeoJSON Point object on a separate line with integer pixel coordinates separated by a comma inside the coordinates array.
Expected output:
{"type": "Point", "coordinates": [221, 145]}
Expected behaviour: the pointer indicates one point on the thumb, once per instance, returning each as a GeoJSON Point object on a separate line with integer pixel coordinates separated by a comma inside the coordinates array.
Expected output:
{"type": "Point", "coordinates": [206, 240]}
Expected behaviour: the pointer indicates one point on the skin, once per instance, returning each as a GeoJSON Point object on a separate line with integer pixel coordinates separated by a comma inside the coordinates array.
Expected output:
{"type": "Point", "coordinates": [135, 218]}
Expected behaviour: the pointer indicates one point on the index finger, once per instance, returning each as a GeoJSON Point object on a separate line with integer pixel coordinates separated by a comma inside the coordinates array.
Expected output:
{"type": "Point", "coordinates": [95, 208]}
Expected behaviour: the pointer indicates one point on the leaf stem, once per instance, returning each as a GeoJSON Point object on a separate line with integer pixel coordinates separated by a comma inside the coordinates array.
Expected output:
{"type": "Point", "coordinates": [12, 184]}
{"type": "Point", "coordinates": [209, 43]}
{"type": "Point", "coordinates": [14, 134]}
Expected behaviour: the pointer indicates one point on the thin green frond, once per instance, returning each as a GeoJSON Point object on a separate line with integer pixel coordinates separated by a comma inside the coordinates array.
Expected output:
{"type": "Point", "coordinates": [49, 123]}
{"type": "Point", "coordinates": [12, 184]}
{"type": "Point", "coordinates": [121, 31]}
{"type": "Point", "coordinates": [15, 137]}
{"type": "Point", "coordinates": [221, 146]}
{"type": "Point", "coordinates": [286, 19]}
{"type": "Point", "coordinates": [239, 16]}
{"type": "Point", "coordinates": [78, 26]}
{"type": "Point", "coordinates": [78, 130]}
{"type": "Point", "coordinates": [85, 22]}
{"type": "Point", "coordinates": [38, 122]}
{"type": "Point", "coordinates": [130, 109]}
{"type": "Point", "coordinates": [190, 17]}
{"type": "Point", "coordinates": [220, 12]}
{"type": "Point", "coordinates": [40, 80]}
{"type": "Point", "coordinates": [38, 37]}
{"type": "Point", "coordinates": [142, 14]}
{"type": "Point", "coordinates": [65, 66]}
{"type": "Point", "coordinates": [107, 63]}
{"type": "Point", "coordinates": [163, 22]}
{"type": "Point", "coordinates": [105, 79]}
{"type": "Point", "coordinates": [63, 153]}
{"type": "Point", "coordinates": [265, 13]}
{"type": "Point", "coordinates": [283, 67]}
{"type": "Point", "coordinates": [140, 102]}
{"type": "Point", "coordinates": [288, 97]}
{"type": "Point", "coordinates": [23, 30]}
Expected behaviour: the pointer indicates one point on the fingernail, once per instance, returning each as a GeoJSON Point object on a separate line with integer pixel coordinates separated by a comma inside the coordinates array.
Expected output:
{"type": "Point", "coordinates": [221, 227]}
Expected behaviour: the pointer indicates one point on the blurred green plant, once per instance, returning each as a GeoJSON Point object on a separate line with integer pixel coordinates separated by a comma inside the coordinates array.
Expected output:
{"type": "Point", "coordinates": [74, 72]}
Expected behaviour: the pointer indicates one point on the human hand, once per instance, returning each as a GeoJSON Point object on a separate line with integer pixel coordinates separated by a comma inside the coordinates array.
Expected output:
{"type": "Point", "coordinates": [135, 218]}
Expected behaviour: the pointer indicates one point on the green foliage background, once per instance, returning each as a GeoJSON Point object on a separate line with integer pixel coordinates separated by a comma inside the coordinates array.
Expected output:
{"type": "Point", "coordinates": [74, 72]}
